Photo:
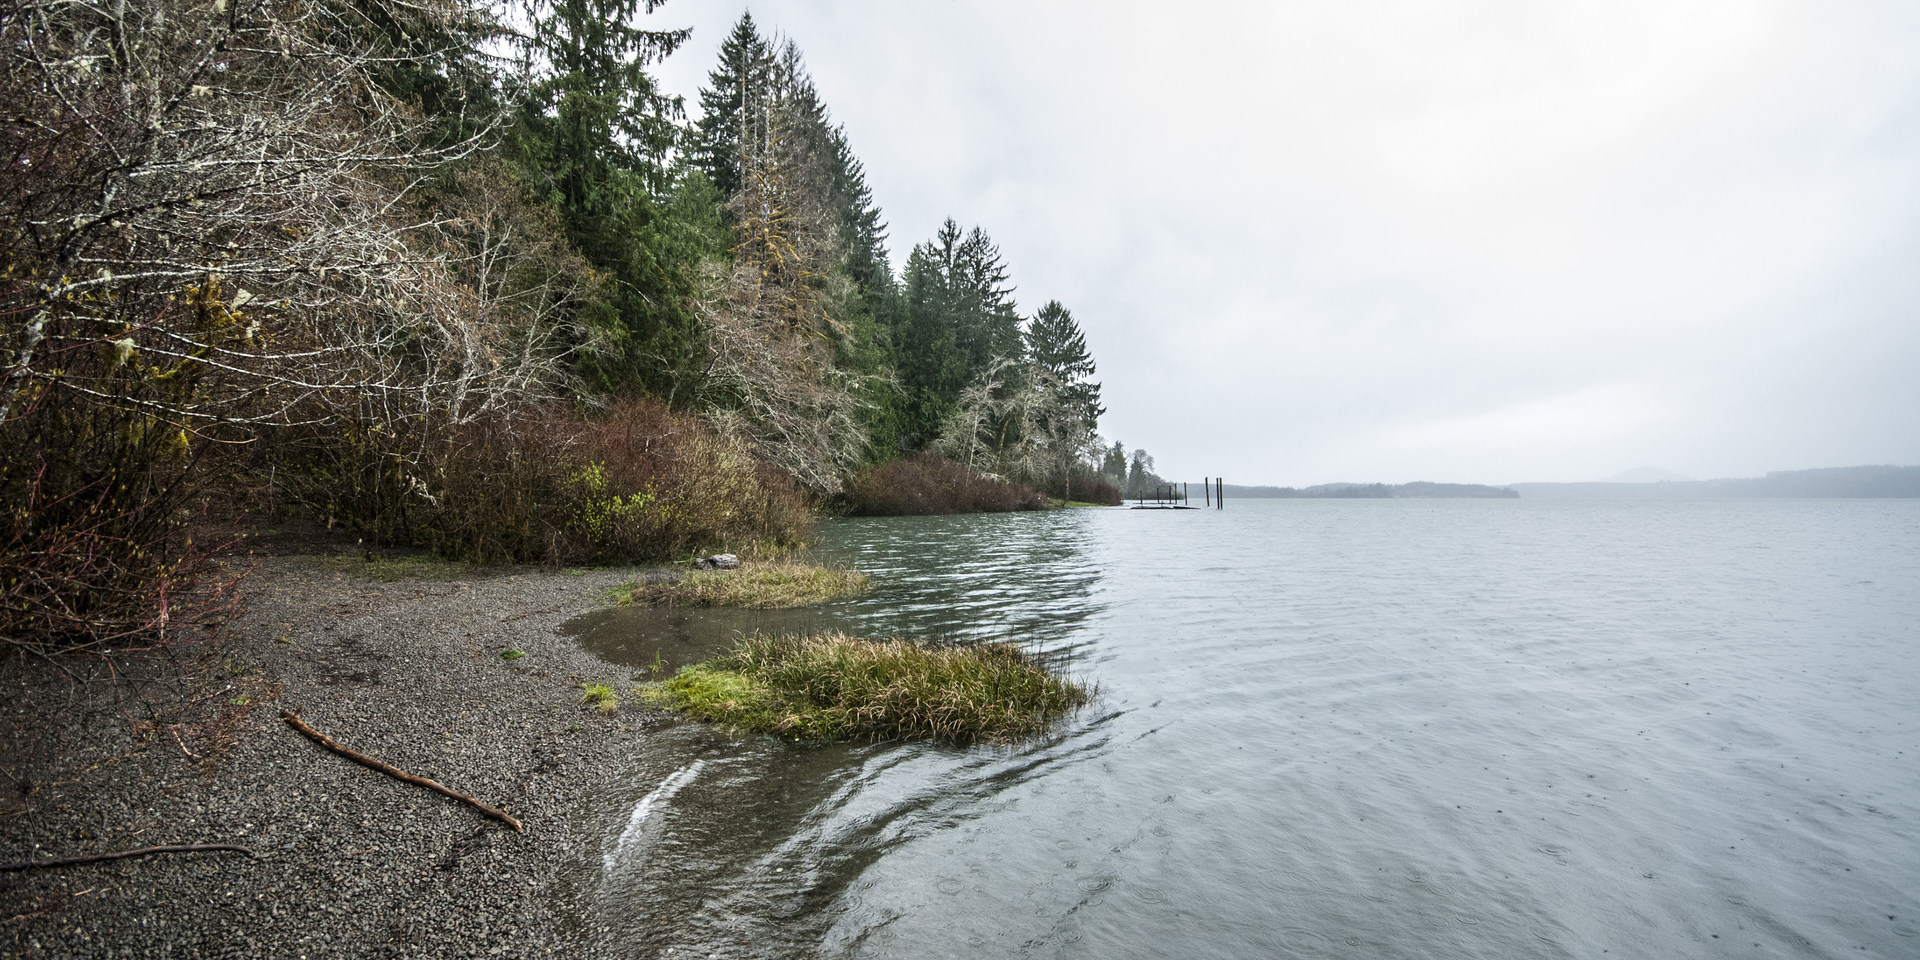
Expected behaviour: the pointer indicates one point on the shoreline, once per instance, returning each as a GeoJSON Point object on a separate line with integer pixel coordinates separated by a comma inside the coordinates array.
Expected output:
{"type": "Point", "coordinates": [189, 747]}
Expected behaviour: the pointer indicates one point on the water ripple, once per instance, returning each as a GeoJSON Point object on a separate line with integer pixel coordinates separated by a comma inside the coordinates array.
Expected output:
{"type": "Point", "coordinates": [1349, 729]}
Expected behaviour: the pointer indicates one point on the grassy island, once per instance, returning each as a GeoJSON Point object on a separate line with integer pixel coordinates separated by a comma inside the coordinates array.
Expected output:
{"type": "Point", "coordinates": [762, 585]}
{"type": "Point", "coordinates": [831, 686]}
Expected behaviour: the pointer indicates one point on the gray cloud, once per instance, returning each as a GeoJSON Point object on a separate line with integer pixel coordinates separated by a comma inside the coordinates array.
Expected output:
{"type": "Point", "coordinates": [1381, 241]}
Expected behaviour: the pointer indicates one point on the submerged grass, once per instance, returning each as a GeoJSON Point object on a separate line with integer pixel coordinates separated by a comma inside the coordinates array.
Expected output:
{"type": "Point", "coordinates": [833, 686]}
{"type": "Point", "coordinates": [763, 585]}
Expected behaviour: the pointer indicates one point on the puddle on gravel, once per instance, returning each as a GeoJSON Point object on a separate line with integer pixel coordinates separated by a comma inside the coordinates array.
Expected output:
{"type": "Point", "coordinates": [676, 636]}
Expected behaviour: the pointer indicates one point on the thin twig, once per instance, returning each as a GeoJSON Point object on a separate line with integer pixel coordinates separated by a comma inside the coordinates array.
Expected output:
{"type": "Point", "coordinates": [139, 852]}
{"type": "Point", "coordinates": [174, 729]}
{"type": "Point", "coordinates": [294, 721]}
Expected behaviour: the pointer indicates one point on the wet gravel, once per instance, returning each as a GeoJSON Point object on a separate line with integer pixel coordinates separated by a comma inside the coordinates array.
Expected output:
{"type": "Point", "coordinates": [351, 863]}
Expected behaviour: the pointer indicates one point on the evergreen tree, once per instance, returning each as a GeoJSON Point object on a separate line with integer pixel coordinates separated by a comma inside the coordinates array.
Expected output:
{"type": "Point", "coordinates": [990, 323]}
{"type": "Point", "coordinates": [1140, 476]}
{"type": "Point", "coordinates": [865, 231]}
{"type": "Point", "coordinates": [594, 132]}
{"type": "Point", "coordinates": [874, 304]}
{"type": "Point", "coordinates": [1057, 345]}
{"type": "Point", "coordinates": [927, 356]}
{"type": "Point", "coordinates": [733, 105]}
{"type": "Point", "coordinates": [959, 318]}
{"type": "Point", "coordinates": [1113, 466]}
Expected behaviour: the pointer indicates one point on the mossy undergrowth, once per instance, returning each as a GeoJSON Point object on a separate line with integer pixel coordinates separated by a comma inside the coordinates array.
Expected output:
{"type": "Point", "coordinates": [831, 686]}
{"type": "Point", "coordinates": [757, 584]}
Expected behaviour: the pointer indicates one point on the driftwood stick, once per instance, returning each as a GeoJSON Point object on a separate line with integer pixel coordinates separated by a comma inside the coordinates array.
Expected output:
{"type": "Point", "coordinates": [294, 721]}
{"type": "Point", "coordinates": [140, 852]}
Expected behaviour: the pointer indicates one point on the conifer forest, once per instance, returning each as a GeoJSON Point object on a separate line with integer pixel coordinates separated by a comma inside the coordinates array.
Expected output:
{"type": "Point", "coordinates": [462, 277]}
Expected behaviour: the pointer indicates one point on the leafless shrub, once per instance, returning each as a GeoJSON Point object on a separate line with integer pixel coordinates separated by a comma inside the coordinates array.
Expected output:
{"type": "Point", "coordinates": [634, 482]}
{"type": "Point", "coordinates": [932, 484]}
{"type": "Point", "coordinates": [211, 187]}
{"type": "Point", "coordinates": [98, 566]}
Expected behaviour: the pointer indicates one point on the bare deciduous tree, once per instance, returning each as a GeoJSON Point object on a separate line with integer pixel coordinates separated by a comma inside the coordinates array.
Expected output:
{"type": "Point", "coordinates": [206, 230]}
{"type": "Point", "coordinates": [205, 217]}
{"type": "Point", "coordinates": [770, 318]}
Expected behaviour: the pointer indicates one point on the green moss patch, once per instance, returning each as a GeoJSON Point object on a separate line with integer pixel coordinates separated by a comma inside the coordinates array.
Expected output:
{"type": "Point", "coordinates": [764, 585]}
{"type": "Point", "coordinates": [389, 569]}
{"type": "Point", "coordinates": [831, 686]}
{"type": "Point", "coordinates": [600, 696]}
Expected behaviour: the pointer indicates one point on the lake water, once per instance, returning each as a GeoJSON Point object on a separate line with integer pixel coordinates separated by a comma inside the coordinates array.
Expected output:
{"type": "Point", "coordinates": [1389, 728]}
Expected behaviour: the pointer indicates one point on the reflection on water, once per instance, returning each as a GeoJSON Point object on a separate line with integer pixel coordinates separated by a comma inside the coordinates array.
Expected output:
{"type": "Point", "coordinates": [1332, 728]}
{"type": "Point", "coordinates": [1020, 577]}
{"type": "Point", "coordinates": [755, 847]}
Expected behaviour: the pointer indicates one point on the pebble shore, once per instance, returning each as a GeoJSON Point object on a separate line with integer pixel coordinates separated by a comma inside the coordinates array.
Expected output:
{"type": "Point", "coordinates": [191, 748]}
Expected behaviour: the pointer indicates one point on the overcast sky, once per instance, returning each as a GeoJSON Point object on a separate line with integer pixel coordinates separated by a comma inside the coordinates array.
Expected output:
{"type": "Point", "coordinates": [1470, 242]}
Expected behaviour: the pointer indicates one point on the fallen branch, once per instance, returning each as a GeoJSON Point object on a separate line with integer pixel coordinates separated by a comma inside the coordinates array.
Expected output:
{"type": "Point", "coordinates": [140, 852]}
{"type": "Point", "coordinates": [294, 721]}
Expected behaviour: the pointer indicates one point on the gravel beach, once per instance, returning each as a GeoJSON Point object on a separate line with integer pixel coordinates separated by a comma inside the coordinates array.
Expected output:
{"type": "Point", "coordinates": [191, 748]}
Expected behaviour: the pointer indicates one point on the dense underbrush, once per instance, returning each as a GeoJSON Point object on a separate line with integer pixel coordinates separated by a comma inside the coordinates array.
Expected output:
{"type": "Point", "coordinates": [932, 484]}
{"type": "Point", "coordinates": [95, 547]}
{"type": "Point", "coordinates": [1084, 486]}
{"type": "Point", "coordinates": [93, 554]}
{"type": "Point", "coordinates": [635, 482]}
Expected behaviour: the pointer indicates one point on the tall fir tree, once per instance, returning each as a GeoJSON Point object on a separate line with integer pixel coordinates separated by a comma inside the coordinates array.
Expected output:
{"type": "Point", "coordinates": [1056, 343]}
{"type": "Point", "coordinates": [594, 135]}
{"type": "Point", "coordinates": [763, 117]}
{"type": "Point", "coordinates": [959, 316]}
{"type": "Point", "coordinates": [733, 105]}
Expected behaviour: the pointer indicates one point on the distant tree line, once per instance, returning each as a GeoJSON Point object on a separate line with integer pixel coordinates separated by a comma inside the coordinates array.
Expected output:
{"type": "Point", "coordinates": [1862, 482]}
{"type": "Point", "coordinates": [462, 275]}
{"type": "Point", "coordinates": [1377, 491]}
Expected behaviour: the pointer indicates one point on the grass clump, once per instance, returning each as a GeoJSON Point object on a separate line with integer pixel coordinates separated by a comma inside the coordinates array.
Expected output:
{"type": "Point", "coordinates": [511, 654]}
{"type": "Point", "coordinates": [763, 585]}
{"type": "Point", "coordinates": [600, 696]}
{"type": "Point", "coordinates": [832, 686]}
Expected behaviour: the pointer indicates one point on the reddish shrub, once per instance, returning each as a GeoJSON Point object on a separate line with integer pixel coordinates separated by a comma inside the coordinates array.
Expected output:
{"type": "Point", "coordinates": [635, 482]}
{"type": "Point", "coordinates": [931, 484]}
{"type": "Point", "coordinates": [102, 563]}
{"type": "Point", "coordinates": [1086, 487]}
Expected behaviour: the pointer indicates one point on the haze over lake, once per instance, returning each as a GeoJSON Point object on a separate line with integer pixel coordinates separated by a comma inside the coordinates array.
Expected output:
{"type": "Point", "coordinates": [1349, 728]}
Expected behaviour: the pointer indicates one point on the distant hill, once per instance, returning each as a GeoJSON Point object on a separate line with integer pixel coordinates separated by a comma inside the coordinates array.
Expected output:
{"type": "Point", "coordinates": [1372, 491]}
{"type": "Point", "coordinates": [1646, 475]}
{"type": "Point", "coordinates": [1830, 482]}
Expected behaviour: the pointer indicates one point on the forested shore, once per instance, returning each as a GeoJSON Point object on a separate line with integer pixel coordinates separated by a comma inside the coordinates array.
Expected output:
{"type": "Point", "coordinates": [462, 277]}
